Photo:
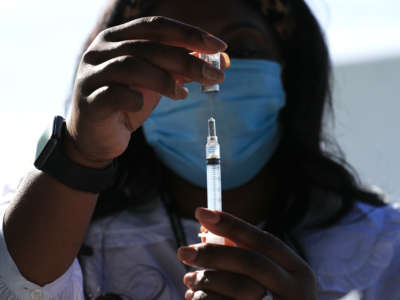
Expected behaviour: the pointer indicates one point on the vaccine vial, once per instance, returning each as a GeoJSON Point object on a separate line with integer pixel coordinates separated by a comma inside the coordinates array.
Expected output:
{"type": "Point", "coordinates": [215, 60]}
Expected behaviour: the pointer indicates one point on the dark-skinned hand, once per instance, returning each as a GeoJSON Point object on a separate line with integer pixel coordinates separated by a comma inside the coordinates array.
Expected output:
{"type": "Point", "coordinates": [258, 263]}
{"type": "Point", "coordinates": [122, 77]}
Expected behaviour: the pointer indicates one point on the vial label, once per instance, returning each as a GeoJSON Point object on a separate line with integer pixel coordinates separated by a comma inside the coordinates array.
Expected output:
{"type": "Point", "coordinates": [215, 60]}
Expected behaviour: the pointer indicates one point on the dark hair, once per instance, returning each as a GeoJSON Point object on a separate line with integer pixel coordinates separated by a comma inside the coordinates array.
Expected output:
{"type": "Point", "coordinates": [307, 158]}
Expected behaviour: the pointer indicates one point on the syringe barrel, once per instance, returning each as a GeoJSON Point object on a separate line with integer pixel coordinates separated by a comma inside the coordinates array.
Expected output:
{"type": "Point", "coordinates": [214, 200]}
{"type": "Point", "coordinates": [214, 193]}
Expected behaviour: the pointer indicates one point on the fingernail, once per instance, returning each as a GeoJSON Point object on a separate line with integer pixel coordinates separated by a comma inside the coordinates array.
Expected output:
{"type": "Point", "coordinates": [208, 216]}
{"type": "Point", "coordinates": [211, 73]}
{"type": "Point", "coordinates": [181, 92]}
{"type": "Point", "coordinates": [225, 61]}
{"type": "Point", "coordinates": [187, 253]}
{"type": "Point", "coordinates": [213, 42]}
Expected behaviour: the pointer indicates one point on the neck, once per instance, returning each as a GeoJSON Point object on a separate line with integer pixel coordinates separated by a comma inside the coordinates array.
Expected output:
{"type": "Point", "coordinates": [253, 202]}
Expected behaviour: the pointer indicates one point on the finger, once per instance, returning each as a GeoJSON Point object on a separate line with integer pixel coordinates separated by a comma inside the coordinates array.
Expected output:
{"type": "Point", "coordinates": [225, 283]}
{"type": "Point", "coordinates": [169, 58]}
{"type": "Point", "coordinates": [189, 294]}
{"type": "Point", "coordinates": [109, 99]}
{"type": "Point", "coordinates": [167, 31]}
{"type": "Point", "coordinates": [181, 79]}
{"type": "Point", "coordinates": [204, 295]}
{"type": "Point", "coordinates": [248, 236]}
{"type": "Point", "coordinates": [135, 73]}
{"type": "Point", "coordinates": [107, 51]}
{"type": "Point", "coordinates": [240, 261]}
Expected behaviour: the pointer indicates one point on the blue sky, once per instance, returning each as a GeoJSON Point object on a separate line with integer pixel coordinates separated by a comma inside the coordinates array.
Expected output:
{"type": "Point", "coordinates": [41, 40]}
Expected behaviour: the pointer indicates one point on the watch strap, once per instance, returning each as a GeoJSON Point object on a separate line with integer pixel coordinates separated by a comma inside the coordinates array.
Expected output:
{"type": "Point", "coordinates": [53, 161]}
{"type": "Point", "coordinates": [79, 177]}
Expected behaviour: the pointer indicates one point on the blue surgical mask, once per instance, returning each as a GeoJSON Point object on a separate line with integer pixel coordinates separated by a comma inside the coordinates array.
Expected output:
{"type": "Point", "coordinates": [246, 112]}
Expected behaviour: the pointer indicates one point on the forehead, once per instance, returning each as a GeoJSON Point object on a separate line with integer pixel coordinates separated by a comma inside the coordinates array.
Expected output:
{"type": "Point", "coordinates": [212, 15]}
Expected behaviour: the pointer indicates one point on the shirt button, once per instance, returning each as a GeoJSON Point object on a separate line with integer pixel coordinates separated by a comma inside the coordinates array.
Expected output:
{"type": "Point", "coordinates": [37, 295]}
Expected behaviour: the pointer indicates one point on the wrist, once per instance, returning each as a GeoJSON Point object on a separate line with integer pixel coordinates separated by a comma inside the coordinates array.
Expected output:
{"type": "Point", "coordinates": [71, 150]}
{"type": "Point", "coordinates": [61, 159]}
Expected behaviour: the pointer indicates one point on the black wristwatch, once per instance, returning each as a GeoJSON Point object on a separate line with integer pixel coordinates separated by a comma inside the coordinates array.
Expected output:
{"type": "Point", "coordinates": [52, 160]}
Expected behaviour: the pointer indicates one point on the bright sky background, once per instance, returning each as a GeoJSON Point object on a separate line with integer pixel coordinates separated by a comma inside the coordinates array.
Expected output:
{"type": "Point", "coordinates": [40, 42]}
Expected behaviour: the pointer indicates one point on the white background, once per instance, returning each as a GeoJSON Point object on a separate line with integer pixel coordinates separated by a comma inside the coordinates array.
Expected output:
{"type": "Point", "coordinates": [40, 42]}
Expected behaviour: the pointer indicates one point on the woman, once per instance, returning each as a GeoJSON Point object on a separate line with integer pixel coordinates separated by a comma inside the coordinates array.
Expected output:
{"type": "Point", "coordinates": [300, 225]}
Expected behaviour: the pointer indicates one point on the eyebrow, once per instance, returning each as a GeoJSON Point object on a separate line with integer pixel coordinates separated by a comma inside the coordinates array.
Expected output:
{"type": "Point", "coordinates": [235, 26]}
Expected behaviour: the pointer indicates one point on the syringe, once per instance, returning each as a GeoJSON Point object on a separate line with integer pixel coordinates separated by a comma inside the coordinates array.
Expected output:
{"type": "Point", "coordinates": [213, 155]}
{"type": "Point", "coordinates": [214, 198]}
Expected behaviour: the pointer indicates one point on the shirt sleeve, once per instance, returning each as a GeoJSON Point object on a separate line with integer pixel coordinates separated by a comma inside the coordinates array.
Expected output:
{"type": "Point", "coordinates": [358, 258]}
{"type": "Point", "coordinates": [13, 286]}
{"type": "Point", "coordinates": [387, 287]}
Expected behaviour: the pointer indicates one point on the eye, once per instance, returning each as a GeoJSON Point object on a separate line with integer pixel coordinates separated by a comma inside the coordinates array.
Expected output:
{"type": "Point", "coordinates": [249, 43]}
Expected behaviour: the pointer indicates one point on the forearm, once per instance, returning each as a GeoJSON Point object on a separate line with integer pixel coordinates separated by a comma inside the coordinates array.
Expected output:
{"type": "Point", "coordinates": [45, 225]}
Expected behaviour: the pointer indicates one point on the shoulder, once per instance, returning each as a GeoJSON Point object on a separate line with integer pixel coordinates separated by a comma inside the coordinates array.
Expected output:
{"type": "Point", "coordinates": [8, 191]}
{"type": "Point", "coordinates": [358, 252]}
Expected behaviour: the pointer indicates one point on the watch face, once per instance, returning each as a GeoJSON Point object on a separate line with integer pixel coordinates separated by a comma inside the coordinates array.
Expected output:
{"type": "Point", "coordinates": [48, 141]}
{"type": "Point", "coordinates": [44, 138]}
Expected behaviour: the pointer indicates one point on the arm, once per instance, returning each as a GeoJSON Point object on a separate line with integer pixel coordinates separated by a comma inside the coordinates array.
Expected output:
{"type": "Point", "coordinates": [44, 226]}
{"type": "Point", "coordinates": [116, 89]}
